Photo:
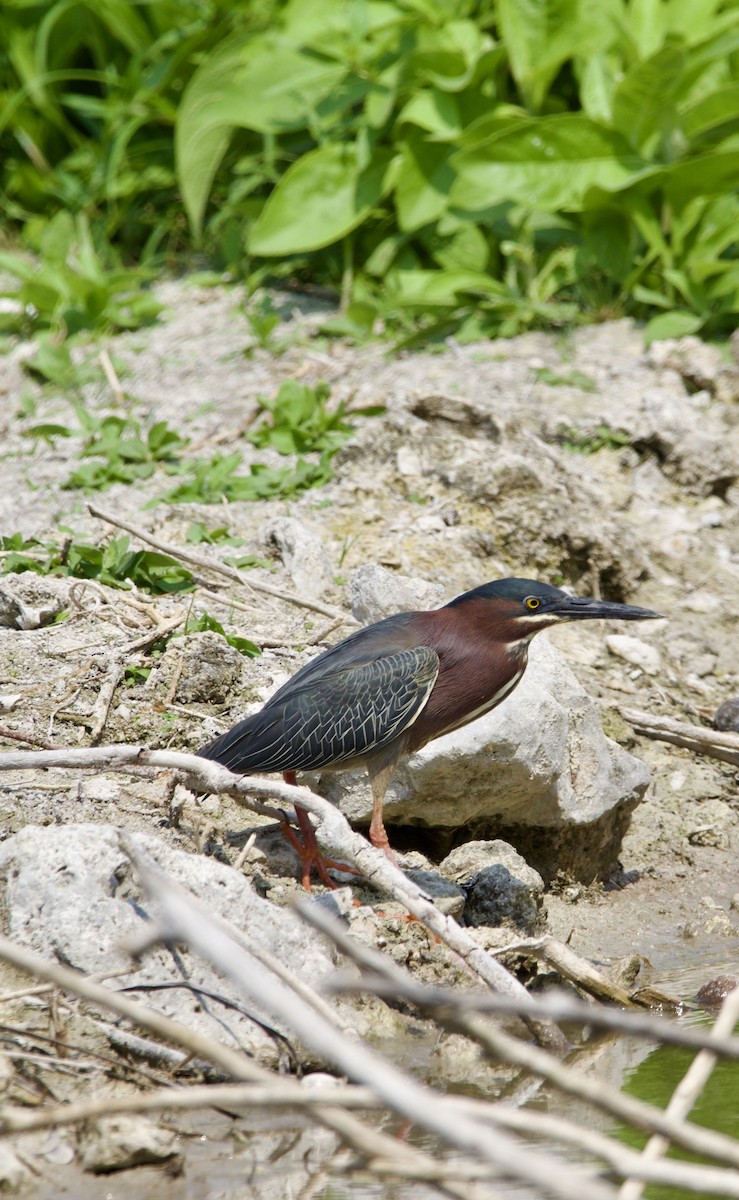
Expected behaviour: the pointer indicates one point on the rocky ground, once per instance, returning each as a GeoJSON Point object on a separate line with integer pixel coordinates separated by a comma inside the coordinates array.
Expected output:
{"type": "Point", "coordinates": [582, 460]}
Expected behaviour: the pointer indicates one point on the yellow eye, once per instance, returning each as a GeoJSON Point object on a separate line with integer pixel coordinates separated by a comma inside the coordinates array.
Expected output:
{"type": "Point", "coordinates": [532, 602]}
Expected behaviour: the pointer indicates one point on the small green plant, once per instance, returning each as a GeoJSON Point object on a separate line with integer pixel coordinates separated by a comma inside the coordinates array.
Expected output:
{"type": "Point", "coordinates": [262, 318]}
{"type": "Point", "coordinates": [602, 438]}
{"type": "Point", "coordinates": [575, 378]}
{"type": "Point", "coordinates": [211, 480]}
{"type": "Point", "coordinates": [121, 451]}
{"type": "Point", "coordinates": [298, 420]}
{"type": "Point", "coordinates": [113, 564]}
{"type": "Point", "coordinates": [197, 534]}
{"type": "Point", "coordinates": [205, 623]}
{"type": "Point", "coordinates": [72, 286]}
{"type": "Point", "coordinates": [302, 420]}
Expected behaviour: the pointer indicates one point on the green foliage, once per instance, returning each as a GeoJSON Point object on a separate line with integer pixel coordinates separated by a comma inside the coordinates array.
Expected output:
{"type": "Point", "coordinates": [459, 167]}
{"type": "Point", "coordinates": [71, 285]}
{"type": "Point", "coordinates": [303, 421]}
{"type": "Point", "coordinates": [205, 623]}
{"type": "Point", "coordinates": [211, 480]}
{"type": "Point", "coordinates": [113, 564]}
{"type": "Point", "coordinates": [262, 318]}
{"type": "Point", "coordinates": [121, 451]}
{"type": "Point", "coordinates": [300, 421]}
{"type": "Point", "coordinates": [483, 167]}
{"type": "Point", "coordinates": [197, 533]}
{"type": "Point", "coordinates": [602, 438]}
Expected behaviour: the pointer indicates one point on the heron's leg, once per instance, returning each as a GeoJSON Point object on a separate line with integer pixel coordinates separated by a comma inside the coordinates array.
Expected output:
{"type": "Point", "coordinates": [308, 850]}
{"type": "Point", "coordinates": [379, 781]}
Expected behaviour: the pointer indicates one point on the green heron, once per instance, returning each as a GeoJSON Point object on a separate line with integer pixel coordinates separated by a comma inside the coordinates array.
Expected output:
{"type": "Point", "coordinates": [390, 688]}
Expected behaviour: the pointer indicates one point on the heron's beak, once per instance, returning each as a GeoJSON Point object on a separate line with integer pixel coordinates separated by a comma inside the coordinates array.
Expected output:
{"type": "Point", "coordinates": [578, 608]}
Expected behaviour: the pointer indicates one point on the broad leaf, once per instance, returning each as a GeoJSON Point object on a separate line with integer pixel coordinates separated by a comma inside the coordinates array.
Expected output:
{"type": "Point", "coordinates": [545, 164]}
{"type": "Point", "coordinates": [321, 198]}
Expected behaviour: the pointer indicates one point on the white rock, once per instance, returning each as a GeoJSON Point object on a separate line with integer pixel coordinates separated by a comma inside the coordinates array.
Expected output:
{"type": "Point", "coordinates": [117, 1143]}
{"type": "Point", "coordinates": [14, 1174]}
{"type": "Point", "coordinates": [634, 650]}
{"type": "Point", "coordinates": [375, 593]}
{"type": "Point", "coordinates": [304, 556]}
{"type": "Point", "coordinates": [71, 893]}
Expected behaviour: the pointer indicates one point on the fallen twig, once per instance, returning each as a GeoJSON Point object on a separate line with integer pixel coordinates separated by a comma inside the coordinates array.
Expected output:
{"type": "Point", "coordinates": [181, 918]}
{"type": "Point", "coordinates": [218, 568]}
{"type": "Point", "coordinates": [114, 382]}
{"type": "Point", "coordinates": [101, 708]}
{"type": "Point", "coordinates": [502, 1047]}
{"type": "Point", "coordinates": [333, 831]}
{"type": "Point", "coordinates": [578, 970]}
{"type": "Point", "coordinates": [687, 1091]}
{"type": "Point", "coordinates": [724, 746]}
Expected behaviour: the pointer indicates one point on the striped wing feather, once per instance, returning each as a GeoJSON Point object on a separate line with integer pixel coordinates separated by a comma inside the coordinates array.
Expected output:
{"type": "Point", "coordinates": [340, 716]}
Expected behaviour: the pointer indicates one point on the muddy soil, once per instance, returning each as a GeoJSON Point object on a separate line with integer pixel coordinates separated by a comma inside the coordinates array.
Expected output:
{"type": "Point", "coordinates": [581, 459]}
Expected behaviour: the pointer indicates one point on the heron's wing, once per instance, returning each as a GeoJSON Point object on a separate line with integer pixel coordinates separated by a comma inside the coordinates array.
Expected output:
{"type": "Point", "coordinates": [342, 715]}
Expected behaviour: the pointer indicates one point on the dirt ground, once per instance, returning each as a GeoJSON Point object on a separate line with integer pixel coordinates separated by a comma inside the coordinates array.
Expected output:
{"type": "Point", "coordinates": [579, 458]}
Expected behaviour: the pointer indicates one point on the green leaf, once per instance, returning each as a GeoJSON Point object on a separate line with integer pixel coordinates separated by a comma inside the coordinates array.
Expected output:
{"type": "Point", "coordinates": [644, 102]}
{"type": "Point", "coordinates": [716, 114]}
{"type": "Point", "coordinates": [320, 199]}
{"type": "Point", "coordinates": [424, 182]}
{"type": "Point", "coordinates": [674, 324]}
{"type": "Point", "coordinates": [433, 110]}
{"type": "Point", "coordinates": [428, 289]}
{"type": "Point", "coordinates": [265, 84]}
{"type": "Point", "coordinates": [547, 163]}
{"type": "Point", "coordinates": [541, 35]}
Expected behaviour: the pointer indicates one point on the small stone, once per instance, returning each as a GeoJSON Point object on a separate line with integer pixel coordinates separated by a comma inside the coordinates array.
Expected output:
{"type": "Point", "coordinates": [447, 897]}
{"type": "Point", "coordinates": [501, 887]}
{"type": "Point", "coordinates": [634, 650]}
{"type": "Point", "coordinates": [713, 993]}
{"type": "Point", "coordinates": [210, 669]}
{"type": "Point", "coordinates": [303, 554]}
{"type": "Point", "coordinates": [375, 593]}
{"type": "Point", "coordinates": [14, 1174]}
{"type": "Point", "coordinates": [727, 716]}
{"type": "Point", "coordinates": [734, 904]}
{"type": "Point", "coordinates": [117, 1143]}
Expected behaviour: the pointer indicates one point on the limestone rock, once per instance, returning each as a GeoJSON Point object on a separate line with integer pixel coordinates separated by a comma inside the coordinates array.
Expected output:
{"type": "Point", "coordinates": [117, 1143]}
{"type": "Point", "coordinates": [211, 669]}
{"type": "Point", "coordinates": [375, 593]}
{"type": "Point", "coordinates": [501, 887]}
{"type": "Point", "coordinates": [304, 556]}
{"type": "Point", "coordinates": [540, 761]}
{"type": "Point", "coordinates": [71, 893]}
{"type": "Point", "coordinates": [14, 1174]}
{"type": "Point", "coordinates": [28, 600]}
{"type": "Point", "coordinates": [633, 650]}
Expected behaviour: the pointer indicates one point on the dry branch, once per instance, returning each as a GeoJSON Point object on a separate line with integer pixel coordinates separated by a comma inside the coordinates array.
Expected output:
{"type": "Point", "coordinates": [181, 918]}
{"type": "Point", "coordinates": [210, 564]}
{"type": "Point", "coordinates": [333, 831]}
{"type": "Point", "coordinates": [688, 1090]}
{"type": "Point", "coordinates": [503, 1048]}
{"type": "Point", "coordinates": [724, 746]}
{"type": "Point", "coordinates": [234, 1063]}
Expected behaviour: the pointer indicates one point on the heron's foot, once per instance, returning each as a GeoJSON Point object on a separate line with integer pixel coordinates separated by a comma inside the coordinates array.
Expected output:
{"type": "Point", "coordinates": [310, 853]}
{"type": "Point", "coordinates": [378, 837]}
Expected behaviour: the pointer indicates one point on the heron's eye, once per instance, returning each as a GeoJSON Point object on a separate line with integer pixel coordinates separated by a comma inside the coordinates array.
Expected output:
{"type": "Point", "coordinates": [532, 603]}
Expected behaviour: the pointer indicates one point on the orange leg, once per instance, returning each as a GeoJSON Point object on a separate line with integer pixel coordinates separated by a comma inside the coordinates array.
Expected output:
{"type": "Point", "coordinates": [308, 850]}
{"type": "Point", "coordinates": [377, 831]}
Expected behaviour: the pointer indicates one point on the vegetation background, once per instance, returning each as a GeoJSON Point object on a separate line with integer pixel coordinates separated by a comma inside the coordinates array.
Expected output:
{"type": "Point", "coordinates": [465, 166]}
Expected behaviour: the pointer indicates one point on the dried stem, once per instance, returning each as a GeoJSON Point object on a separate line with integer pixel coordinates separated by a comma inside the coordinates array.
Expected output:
{"type": "Point", "coordinates": [724, 746]}
{"type": "Point", "coordinates": [218, 568]}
